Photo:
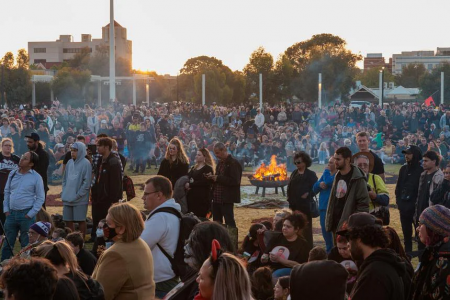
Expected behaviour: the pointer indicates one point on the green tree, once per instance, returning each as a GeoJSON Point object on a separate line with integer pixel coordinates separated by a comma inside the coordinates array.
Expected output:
{"type": "Point", "coordinates": [326, 54]}
{"type": "Point", "coordinates": [411, 74]}
{"type": "Point", "coordinates": [371, 77]}
{"type": "Point", "coordinates": [69, 85]}
{"type": "Point", "coordinates": [81, 60]}
{"type": "Point", "coordinates": [260, 62]}
{"type": "Point", "coordinates": [431, 82]}
{"type": "Point", "coordinates": [22, 59]}
{"type": "Point", "coordinates": [8, 60]}
{"type": "Point", "coordinates": [283, 76]}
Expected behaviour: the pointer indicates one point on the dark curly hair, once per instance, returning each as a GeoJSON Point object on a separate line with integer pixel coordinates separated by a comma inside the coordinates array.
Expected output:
{"type": "Point", "coordinates": [37, 275]}
{"type": "Point", "coordinates": [373, 236]}
{"type": "Point", "coordinates": [306, 159]}
{"type": "Point", "coordinates": [298, 220]}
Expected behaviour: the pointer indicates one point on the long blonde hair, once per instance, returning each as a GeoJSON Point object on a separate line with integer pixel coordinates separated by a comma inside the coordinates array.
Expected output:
{"type": "Point", "coordinates": [208, 159]}
{"type": "Point", "coordinates": [181, 154]}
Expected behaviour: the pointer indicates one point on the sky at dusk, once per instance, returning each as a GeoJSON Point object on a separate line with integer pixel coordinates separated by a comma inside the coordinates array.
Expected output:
{"type": "Point", "coordinates": [167, 33]}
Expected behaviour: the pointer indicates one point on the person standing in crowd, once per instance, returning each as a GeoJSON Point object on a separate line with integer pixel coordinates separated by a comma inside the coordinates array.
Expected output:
{"type": "Point", "coordinates": [125, 270]}
{"type": "Point", "coordinates": [288, 249]}
{"type": "Point", "coordinates": [323, 186]}
{"type": "Point", "coordinates": [349, 192]}
{"type": "Point", "coordinates": [318, 280]}
{"type": "Point", "coordinates": [29, 279]}
{"type": "Point", "coordinates": [259, 120]}
{"type": "Point", "coordinates": [362, 139]}
{"type": "Point", "coordinates": [141, 141]}
{"type": "Point", "coordinates": [382, 273]}
{"type": "Point", "coordinates": [223, 276]}
{"type": "Point", "coordinates": [33, 144]}
{"type": "Point", "coordinates": [162, 229]}
{"type": "Point", "coordinates": [226, 186]}
{"type": "Point", "coordinates": [300, 191]}
{"type": "Point", "coordinates": [8, 163]}
{"type": "Point", "coordinates": [441, 195]}
{"type": "Point", "coordinates": [76, 185]}
{"type": "Point", "coordinates": [24, 197]}
{"type": "Point", "coordinates": [199, 187]}
{"type": "Point", "coordinates": [86, 260]}
{"type": "Point", "coordinates": [176, 163]}
{"type": "Point", "coordinates": [378, 193]}
{"type": "Point", "coordinates": [431, 280]}
{"type": "Point", "coordinates": [119, 135]}
{"type": "Point", "coordinates": [430, 179]}
{"type": "Point", "coordinates": [107, 188]}
{"type": "Point", "coordinates": [406, 192]}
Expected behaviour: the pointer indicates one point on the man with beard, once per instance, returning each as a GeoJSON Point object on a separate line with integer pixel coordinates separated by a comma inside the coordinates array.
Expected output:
{"type": "Point", "coordinates": [382, 273]}
{"type": "Point", "coordinates": [349, 191]}
{"type": "Point", "coordinates": [33, 144]}
{"type": "Point", "coordinates": [8, 162]}
{"type": "Point", "coordinates": [406, 191]}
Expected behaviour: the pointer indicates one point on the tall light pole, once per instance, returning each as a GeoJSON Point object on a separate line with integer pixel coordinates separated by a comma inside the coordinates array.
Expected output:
{"type": "Point", "coordinates": [112, 53]}
{"type": "Point", "coordinates": [380, 99]}
{"type": "Point", "coordinates": [320, 90]}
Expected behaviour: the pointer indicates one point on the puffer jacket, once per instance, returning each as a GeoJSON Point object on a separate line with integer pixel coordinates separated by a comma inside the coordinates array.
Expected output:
{"type": "Point", "coordinates": [422, 200]}
{"type": "Point", "coordinates": [179, 193]}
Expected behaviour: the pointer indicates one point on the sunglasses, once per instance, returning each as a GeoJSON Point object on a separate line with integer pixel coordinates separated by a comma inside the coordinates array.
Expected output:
{"type": "Point", "coordinates": [298, 162]}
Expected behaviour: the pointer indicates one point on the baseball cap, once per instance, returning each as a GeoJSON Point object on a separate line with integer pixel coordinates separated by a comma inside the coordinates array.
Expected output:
{"type": "Point", "coordinates": [34, 136]}
{"type": "Point", "coordinates": [359, 220]}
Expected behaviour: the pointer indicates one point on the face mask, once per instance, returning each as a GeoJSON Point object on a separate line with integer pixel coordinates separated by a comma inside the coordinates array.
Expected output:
{"type": "Point", "coordinates": [99, 232]}
{"type": "Point", "coordinates": [112, 233]}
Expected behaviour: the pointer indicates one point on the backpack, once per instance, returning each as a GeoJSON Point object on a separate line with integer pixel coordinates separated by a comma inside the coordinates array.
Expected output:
{"type": "Point", "coordinates": [187, 223]}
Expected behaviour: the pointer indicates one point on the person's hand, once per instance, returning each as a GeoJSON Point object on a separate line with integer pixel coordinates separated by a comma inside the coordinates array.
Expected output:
{"type": "Point", "coordinates": [7, 213]}
{"type": "Point", "coordinates": [323, 186]}
{"type": "Point", "coordinates": [186, 186]}
{"type": "Point", "coordinates": [274, 258]}
{"type": "Point", "coordinates": [264, 258]}
{"type": "Point", "coordinates": [261, 230]}
{"type": "Point", "coordinates": [372, 195]}
{"type": "Point", "coordinates": [304, 196]}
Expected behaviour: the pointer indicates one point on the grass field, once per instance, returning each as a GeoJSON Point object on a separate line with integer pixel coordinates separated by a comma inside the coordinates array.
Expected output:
{"type": "Point", "coordinates": [245, 216]}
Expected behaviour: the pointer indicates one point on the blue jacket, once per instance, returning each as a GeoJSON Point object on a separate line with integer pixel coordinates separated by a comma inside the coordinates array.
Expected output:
{"type": "Point", "coordinates": [328, 179]}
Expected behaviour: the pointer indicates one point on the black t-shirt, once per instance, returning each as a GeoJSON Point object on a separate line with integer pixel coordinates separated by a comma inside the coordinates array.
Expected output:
{"type": "Point", "coordinates": [297, 250]}
{"type": "Point", "coordinates": [336, 256]}
{"type": "Point", "coordinates": [342, 184]}
{"type": "Point", "coordinates": [7, 164]}
{"type": "Point", "coordinates": [378, 167]}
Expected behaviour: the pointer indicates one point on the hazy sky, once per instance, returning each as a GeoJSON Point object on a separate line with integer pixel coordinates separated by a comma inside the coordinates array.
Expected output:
{"type": "Point", "coordinates": [168, 32]}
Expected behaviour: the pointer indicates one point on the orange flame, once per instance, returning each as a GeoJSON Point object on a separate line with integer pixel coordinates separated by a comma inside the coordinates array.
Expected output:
{"type": "Point", "coordinates": [265, 172]}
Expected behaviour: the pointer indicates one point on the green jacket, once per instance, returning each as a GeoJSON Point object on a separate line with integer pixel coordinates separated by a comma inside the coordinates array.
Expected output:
{"type": "Point", "coordinates": [357, 199]}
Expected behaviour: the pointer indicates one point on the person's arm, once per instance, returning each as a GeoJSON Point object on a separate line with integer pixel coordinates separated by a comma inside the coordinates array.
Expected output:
{"type": "Point", "coordinates": [362, 197]}
{"type": "Point", "coordinates": [316, 186]}
{"type": "Point", "coordinates": [203, 181]}
{"type": "Point", "coordinates": [86, 183]}
{"type": "Point", "coordinates": [110, 264]}
{"type": "Point", "coordinates": [153, 231]}
{"type": "Point", "coordinates": [115, 176]}
{"type": "Point", "coordinates": [365, 289]}
{"type": "Point", "coordinates": [40, 196]}
{"type": "Point", "coordinates": [7, 193]}
{"type": "Point", "coordinates": [235, 176]}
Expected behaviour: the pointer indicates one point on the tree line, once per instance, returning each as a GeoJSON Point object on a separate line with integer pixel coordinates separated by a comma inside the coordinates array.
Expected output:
{"type": "Point", "coordinates": [292, 75]}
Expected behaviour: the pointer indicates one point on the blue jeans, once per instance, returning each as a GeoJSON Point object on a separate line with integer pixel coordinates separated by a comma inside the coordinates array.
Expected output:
{"type": "Point", "coordinates": [14, 223]}
{"type": "Point", "coordinates": [327, 236]}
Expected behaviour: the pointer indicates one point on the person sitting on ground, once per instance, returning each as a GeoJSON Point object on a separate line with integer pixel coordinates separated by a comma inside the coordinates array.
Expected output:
{"type": "Point", "coordinates": [281, 290]}
{"type": "Point", "coordinates": [33, 279]}
{"type": "Point", "coordinates": [86, 260]}
{"type": "Point", "coordinates": [223, 276]}
{"type": "Point", "coordinates": [341, 251]}
{"type": "Point", "coordinates": [262, 288]}
{"type": "Point", "coordinates": [59, 234]}
{"type": "Point", "coordinates": [288, 249]}
{"type": "Point", "coordinates": [250, 249]}
{"type": "Point", "coordinates": [317, 253]}
{"type": "Point", "coordinates": [62, 257]}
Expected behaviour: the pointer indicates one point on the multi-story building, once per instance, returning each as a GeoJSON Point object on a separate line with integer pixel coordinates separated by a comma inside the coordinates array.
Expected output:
{"type": "Point", "coordinates": [376, 60]}
{"type": "Point", "coordinates": [428, 58]}
{"type": "Point", "coordinates": [63, 49]}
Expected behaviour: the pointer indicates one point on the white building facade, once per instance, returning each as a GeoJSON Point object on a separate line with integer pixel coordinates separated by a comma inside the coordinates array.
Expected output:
{"type": "Point", "coordinates": [428, 58]}
{"type": "Point", "coordinates": [64, 49]}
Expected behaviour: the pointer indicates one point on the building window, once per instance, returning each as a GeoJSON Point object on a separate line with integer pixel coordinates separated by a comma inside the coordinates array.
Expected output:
{"type": "Point", "coordinates": [40, 61]}
{"type": "Point", "coordinates": [430, 66]}
{"type": "Point", "coordinates": [40, 50]}
{"type": "Point", "coordinates": [75, 50]}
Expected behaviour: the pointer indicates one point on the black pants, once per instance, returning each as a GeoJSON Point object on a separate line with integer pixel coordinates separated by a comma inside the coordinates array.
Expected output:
{"type": "Point", "coordinates": [407, 221]}
{"type": "Point", "coordinates": [308, 234]}
{"type": "Point", "coordinates": [99, 212]}
{"type": "Point", "coordinates": [225, 211]}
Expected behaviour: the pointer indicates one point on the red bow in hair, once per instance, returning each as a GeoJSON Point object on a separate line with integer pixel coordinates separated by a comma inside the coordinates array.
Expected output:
{"type": "Point", "coordinates": [214, 247]}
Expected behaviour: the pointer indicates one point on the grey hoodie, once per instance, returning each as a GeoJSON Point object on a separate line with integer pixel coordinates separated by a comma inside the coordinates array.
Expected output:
{"type": "Point", "coordinates": [77, 179]}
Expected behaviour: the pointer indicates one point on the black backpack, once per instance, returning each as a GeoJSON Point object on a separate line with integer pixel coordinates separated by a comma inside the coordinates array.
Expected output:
{"type": "Point", "coordinates": [187, 223]}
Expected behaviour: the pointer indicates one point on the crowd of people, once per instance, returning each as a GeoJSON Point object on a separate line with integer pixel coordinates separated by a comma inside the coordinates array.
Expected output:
{"type": "Point", "coordinates": [172, 250]}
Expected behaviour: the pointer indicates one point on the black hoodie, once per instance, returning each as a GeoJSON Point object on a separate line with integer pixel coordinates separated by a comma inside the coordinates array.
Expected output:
{"type": "Point", "coordinates": [382, 275]}
{"type": "Point", "coordinates": [408, 182]}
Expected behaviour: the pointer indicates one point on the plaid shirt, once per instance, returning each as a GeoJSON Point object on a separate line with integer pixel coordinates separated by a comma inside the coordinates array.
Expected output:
{"type": "Point", "coordinates": [219, 188]}
{"type": "Point", "coordinates": [98, 157]}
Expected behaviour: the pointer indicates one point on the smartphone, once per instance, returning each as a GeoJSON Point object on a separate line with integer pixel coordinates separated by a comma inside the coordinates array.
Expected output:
{"type": "Point", "coordinates": [93, 149]}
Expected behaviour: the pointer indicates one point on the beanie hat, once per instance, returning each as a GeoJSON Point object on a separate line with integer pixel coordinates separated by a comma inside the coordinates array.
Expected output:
{"type": "Point", "coordinates": [437, 219]}
{"type": "Point", "coordinates": [308, 280]}
{"type": "Point", "coordinates": [43, 228]}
